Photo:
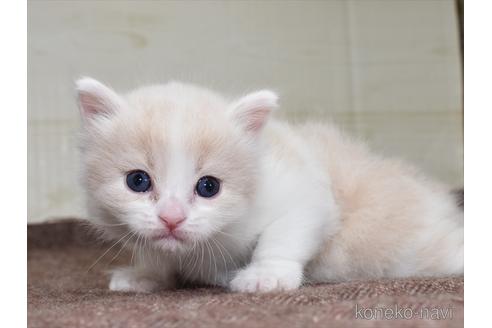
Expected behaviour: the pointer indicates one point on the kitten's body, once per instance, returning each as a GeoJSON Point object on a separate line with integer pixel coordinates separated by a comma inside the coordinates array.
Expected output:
{"type": "Point", "coordinates": [297, 203]}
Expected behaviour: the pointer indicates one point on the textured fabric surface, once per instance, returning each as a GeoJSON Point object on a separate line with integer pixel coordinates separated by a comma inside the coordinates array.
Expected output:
{"type": "Point", "coordinates": [61, 293]}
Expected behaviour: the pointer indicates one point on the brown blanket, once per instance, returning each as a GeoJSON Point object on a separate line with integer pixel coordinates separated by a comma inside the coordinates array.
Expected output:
{"type": "Point", "coordinates": [62, 294]}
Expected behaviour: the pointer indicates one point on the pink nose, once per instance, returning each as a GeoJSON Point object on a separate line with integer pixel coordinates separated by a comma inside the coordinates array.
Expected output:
{"type": "Point", "coordinates": [172, 215]}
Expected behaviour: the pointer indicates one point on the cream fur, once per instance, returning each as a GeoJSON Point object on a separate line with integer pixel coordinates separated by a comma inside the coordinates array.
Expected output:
{"type": "Point", "coordinates": [297, 203]}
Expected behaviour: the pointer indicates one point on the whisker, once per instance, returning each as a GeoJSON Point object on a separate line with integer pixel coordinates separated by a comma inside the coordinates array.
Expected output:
{"type": "Point", "coordinates": [122, 247]}
{"type": "Point", "coordinates": [140, 256]}
{"type": "Point", "coordinates": [180, 265]}
{"type": "Point", "coordinates": [106, 252]}
{"type": "Point", "coordinates": [200, 268]}
{"type": "Point", "coordinates": [110, 225]}
{"type": "Point", "coordinates": [228, 254]}
{"type": "Point", "coordinates": [223, 258]}
{"type": "Point", "coordinates": [193, 258]}
{"type": "Point", "coordinates": [134, 247]}
{"type": "Point", "coordinates": [231, 236]}
{"type": "Point", "coordinates": [145, 250]}
{"type": "Point", "coordinates": [210, 257]}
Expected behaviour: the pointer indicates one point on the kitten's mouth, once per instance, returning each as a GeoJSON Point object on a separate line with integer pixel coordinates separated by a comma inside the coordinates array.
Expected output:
{"type": "Point", "coordinates": [168, 236]}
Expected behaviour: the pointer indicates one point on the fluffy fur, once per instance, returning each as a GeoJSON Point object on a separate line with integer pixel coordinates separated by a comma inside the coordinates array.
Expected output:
{"type": "Point", "coordinates": [297, 203]}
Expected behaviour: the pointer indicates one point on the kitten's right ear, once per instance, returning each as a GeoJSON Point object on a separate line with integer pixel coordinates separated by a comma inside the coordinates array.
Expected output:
{"type": "Point", "coordinates": [94, 98]}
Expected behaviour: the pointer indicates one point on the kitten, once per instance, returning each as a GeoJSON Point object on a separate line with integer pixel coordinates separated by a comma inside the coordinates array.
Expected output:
{"type": "Point", "coordinates": [213, 191]}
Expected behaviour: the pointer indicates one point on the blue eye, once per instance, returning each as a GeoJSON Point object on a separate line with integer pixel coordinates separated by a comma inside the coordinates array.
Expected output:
{"type": "Point", "coordinates": [138, 181]}
{"type": "Point", "coordinates": [207, 186]}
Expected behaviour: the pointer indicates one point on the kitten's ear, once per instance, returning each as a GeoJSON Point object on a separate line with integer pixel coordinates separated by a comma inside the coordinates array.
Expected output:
{"type": "Point", "coordinates": [94, 98]}
{"type": "Point", "coordinates": [252, 111]}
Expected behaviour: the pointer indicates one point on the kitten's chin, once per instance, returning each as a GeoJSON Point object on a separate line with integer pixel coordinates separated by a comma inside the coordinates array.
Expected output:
{"type": "Point", "coordinates": [169, 244]}
{"type": "Point", "coordinates": [179, 241]}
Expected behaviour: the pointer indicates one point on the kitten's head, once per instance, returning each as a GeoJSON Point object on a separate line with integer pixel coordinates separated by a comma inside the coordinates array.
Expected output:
{"type": "Point", "coordinates": [173, 163]}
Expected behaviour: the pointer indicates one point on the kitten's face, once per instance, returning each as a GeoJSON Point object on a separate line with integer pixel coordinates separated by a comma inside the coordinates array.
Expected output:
{"type": "Point", "coordinates": [170, 164]}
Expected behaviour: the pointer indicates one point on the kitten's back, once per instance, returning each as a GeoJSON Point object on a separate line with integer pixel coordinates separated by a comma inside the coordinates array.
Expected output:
{"type": "Point", "coordinates": [394, 220]}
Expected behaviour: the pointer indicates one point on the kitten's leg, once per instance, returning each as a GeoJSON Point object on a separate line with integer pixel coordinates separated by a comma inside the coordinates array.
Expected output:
{"type": "Point", "coordinates": [283, 250]}
{"type": "Point", "coordinates": [131, 279]}
{"type": "Point", "coordinates": [143, 278]}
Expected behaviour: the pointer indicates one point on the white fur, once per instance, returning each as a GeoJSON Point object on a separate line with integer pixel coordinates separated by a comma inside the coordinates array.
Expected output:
{"type": "Point", "coordinates": [297, 203]}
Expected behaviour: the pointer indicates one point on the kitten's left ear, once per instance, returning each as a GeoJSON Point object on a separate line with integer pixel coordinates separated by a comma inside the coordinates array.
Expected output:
{"type": "Point", "coordinates": [251, 112]}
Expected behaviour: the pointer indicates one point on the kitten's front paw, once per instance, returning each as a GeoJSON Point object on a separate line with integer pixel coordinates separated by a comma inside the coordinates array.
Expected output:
{"type": "Point", "coordinates": [261, 277]}
{"type": "Point", "coordinates": [130, 280]}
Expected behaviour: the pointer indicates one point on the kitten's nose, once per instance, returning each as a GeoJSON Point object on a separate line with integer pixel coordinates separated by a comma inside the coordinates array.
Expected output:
{"type": "Point", "coordinates": [172, 214]}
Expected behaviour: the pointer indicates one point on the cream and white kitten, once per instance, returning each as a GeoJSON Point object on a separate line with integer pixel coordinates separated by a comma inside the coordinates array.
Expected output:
{"type": "Point", "coordinates": [214, 191]}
